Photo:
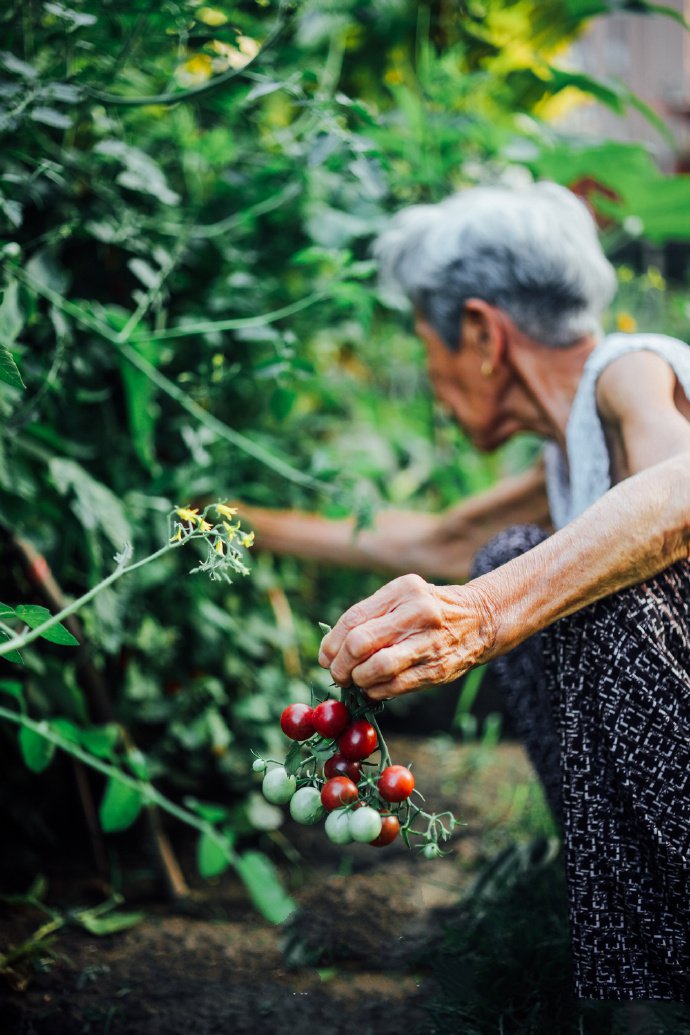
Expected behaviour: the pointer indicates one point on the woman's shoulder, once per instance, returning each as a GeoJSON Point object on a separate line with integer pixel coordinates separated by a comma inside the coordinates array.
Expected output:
{"type": "Point", "coordinates": [614, 346]}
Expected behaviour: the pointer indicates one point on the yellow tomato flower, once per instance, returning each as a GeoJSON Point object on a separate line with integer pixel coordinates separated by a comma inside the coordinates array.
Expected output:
{"type": "Point", "coordinates": [247, 539]}
{"type": "Point", "coordinates": [204, 526]}
{"type": "Point", "coordinates": [187, 514]}
{"type": "Point", "coordinates": [225, 511]}
{"type": "Point", "coordinates": [178, 535]}
{"type": "Point", "coordinates": [626, 323]}
{"type": "Point", "coordinates": [219, 547]}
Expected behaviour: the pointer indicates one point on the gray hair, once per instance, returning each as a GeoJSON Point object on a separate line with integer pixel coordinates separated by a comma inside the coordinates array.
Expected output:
{"type": "Point", "coordinates": [532, 252]}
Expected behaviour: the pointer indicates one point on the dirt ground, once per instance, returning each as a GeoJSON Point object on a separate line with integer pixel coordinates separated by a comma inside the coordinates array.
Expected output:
{"type": "Point", "coordinates": [352, 959]}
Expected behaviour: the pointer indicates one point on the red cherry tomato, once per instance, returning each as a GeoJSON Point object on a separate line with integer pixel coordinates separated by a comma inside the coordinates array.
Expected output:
{"type": "Point", "coordinates": [358, 741]}
{"type": "Point", "coordinates": [296, 723]}
{"type": "Point", "coordinates": [396, 783]}
{"type": "Point", "coordinates": [338, 792]}
{"type": "Point", "coordinates": [389, 831]}
{"type": "Point", "coordinates": [338, 765]}
{"type": "Point", "coordinates": [330, 718]}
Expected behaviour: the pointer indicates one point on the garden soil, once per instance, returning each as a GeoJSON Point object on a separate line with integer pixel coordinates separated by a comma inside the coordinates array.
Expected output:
{"type": "Point", "coordinates": [352, 959]}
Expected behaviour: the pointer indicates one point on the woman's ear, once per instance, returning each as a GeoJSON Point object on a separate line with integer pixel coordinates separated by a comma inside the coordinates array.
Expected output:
{"type": "Point", "coordinates": [482, 332]}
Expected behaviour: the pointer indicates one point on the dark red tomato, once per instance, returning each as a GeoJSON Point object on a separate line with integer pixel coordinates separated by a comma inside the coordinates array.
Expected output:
{"type": "Point", "coordinates": [389, 831]}
{"type": "Point", "coordinates": [338, 765]}
{"type": "Point", "coordinates": [330, 718]}
{"type": "Point", "coordinates": [338, 792]}
{"type": "Point", "coordinates": [358, 741]}
{"type": "Point", "coordinates": [296, 723]}
{"type": "Point", "coordinates": [396, 783]}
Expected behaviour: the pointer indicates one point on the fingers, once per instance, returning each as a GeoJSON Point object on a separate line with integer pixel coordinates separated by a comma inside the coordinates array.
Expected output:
{"type": "Point", "coordinates": [384, 602]}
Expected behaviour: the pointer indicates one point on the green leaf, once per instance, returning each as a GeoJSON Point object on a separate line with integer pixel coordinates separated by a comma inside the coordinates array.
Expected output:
{"type": "Point", "coordinates": [95, 505]}
{"type": "Point", "coordinates": [265, 888]}
{"type": "Point", "coordinates": [9, 371]}
{"type": "Point", "coordinates": [212, 858]}
{"type": "Point", "coordinates": [6, 611]}
{"type": "Point", "coordinates": [11, 318]}
{"type": "Point", "coordinates": [68, 730]}
{"type": "Point", "coordinates": [34, 615]}
{"type": "Point", "coordinates": [293, 759]}
{"type": "Point", "coordinates": [281, 402]}
{"type": "Point", "coordinates": [12, 688]}
{"type": "Point", "coordinates": [100, 741]}
{"type": "Point", "coordinates": [110, 924]}
{"type": "Point", "coordinates": [37, 752]}
{"type": "Point", "coordinates": [120, 806]}
{"type": "Point", "coordinates": [51, 117]}
{"type": "Point", "coordinates": [13, 655]}
{"type": "Point", "coordinates": [207, 810]}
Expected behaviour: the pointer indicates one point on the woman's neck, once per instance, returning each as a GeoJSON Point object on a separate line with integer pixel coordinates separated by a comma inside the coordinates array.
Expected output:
{"type": "Point", "coordinates": [548, 379]}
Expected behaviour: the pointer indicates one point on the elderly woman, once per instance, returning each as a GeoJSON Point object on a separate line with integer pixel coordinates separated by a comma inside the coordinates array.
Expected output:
{"type": "Point", "coordinates": [590, 625]}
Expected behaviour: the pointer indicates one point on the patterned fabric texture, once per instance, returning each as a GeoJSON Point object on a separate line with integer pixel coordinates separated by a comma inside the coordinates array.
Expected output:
{"type": "Point", "coordinates": [602, 702]}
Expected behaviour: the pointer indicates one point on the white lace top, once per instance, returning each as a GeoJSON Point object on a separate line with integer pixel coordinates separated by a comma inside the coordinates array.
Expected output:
{"type": "Point", "coordinates": [573, 484]}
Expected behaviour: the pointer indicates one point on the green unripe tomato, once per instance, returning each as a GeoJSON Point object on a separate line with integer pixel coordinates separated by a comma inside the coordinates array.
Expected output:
{"type": "Point", "coordinates": [431, 851]}
{"type": "Point", "coordinates": [259, 765]}
{"type": "Point", "coordinates": [365, 824]}
{"type": "Point", "coordinates": [337, 827]}
{"type": "Point", "coordinates": [306, 807]}
{"type": "Point", "coordinates": [278, 787]}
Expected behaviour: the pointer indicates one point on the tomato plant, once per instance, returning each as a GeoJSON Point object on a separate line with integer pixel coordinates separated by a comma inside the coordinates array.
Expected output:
{"type": "Point", "coordinates": [365, 801]}
{"type": "Point", "coordinates": [396, 783]}
{"type": "Point", "coordinates": [296, 722]}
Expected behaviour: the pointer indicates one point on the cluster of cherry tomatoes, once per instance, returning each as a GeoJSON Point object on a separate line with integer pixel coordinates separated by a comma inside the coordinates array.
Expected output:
{"type": "Point", "coordinates": [329, 773]}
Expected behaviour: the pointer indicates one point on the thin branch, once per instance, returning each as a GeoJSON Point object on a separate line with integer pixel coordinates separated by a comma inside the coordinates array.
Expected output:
{"type": "Point", "coordinates": [22, 639]}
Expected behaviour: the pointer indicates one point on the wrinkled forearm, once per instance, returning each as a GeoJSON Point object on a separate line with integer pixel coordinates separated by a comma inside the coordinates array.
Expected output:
{"type": "Point", "coordinates": [637, 529]}
{"type": "Point", "coordinates": [387, 546]}
{"type": "Point", "coordinates": [398, 542]}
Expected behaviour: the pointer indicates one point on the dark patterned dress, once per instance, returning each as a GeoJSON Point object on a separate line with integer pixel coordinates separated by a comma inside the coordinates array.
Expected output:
{"type": "Point", "coordinates": [601, 700]}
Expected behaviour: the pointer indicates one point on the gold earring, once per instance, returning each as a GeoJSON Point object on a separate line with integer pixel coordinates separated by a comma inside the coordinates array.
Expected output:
{"type": "Point", "coordinates": [486, 368]}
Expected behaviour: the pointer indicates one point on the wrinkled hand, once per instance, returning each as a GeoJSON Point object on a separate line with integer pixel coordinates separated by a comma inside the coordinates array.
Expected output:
{"type": "Point", "coordinates": [408, 635]}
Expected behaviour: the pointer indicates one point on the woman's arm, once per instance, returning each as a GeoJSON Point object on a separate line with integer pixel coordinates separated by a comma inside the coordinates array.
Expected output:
{"type": "Point", "coordinates": [435, 546]}
{"type": "Point", "coordinates": [411, 634]}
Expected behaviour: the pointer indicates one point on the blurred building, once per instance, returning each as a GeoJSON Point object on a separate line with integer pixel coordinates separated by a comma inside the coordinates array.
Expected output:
{"type": "Point", "coordinates": [650, 54]}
